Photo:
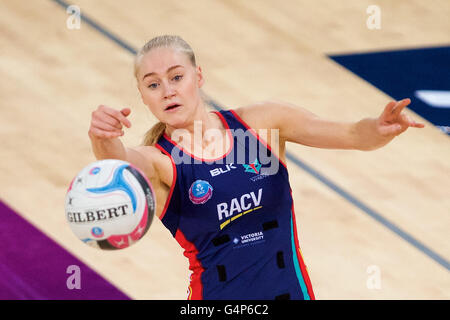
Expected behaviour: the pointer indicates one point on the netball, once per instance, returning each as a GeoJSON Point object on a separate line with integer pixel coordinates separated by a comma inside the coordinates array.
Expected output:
{"type": "Point", "coordinates": [110, 204]}
{"type": "Point", "coordinates": [237, 152]}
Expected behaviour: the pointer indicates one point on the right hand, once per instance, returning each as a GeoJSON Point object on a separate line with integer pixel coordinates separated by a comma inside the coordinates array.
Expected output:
{"type": "Point", "coordinates": [107, 123]}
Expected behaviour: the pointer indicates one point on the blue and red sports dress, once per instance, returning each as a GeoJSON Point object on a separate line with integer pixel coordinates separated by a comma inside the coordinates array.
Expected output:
{"type": "Point", "coordinates": [234, 217]}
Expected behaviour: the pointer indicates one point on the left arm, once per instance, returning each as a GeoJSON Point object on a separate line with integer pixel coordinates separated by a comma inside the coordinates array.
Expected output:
{"type": "Point", "coordinates": [301, 126]}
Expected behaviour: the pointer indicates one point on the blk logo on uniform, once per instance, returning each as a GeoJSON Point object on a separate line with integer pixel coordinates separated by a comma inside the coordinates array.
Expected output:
{"type": "Point", "coordinates": [200, 191]}
{"type": "Point", "coordinates": [217, 171]}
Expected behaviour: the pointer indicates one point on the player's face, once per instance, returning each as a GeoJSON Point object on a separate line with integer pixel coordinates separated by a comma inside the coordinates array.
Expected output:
{"type": "Point", "coordinates": [169, 85]}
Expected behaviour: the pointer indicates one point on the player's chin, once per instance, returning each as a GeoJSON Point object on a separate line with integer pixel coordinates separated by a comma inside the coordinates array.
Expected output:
{"type": "Point", "coordinates": [176, 120]}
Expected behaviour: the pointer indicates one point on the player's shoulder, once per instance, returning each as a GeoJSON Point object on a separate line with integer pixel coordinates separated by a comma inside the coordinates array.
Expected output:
{"type": "Point", "coordinates": [263, 114]}
{"type": "Point", "coordinates": [153, 153]}
{"type": "Point", "coordinates": [150, 150]}
{"type": "Point", "coordinates": [159, 161]}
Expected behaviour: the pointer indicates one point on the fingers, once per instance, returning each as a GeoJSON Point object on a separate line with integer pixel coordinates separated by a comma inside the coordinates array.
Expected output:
{"type": "Point", "coordinates": [392, 117]}
{"type": "Point", "coordinates": [397, 109]}
{"type": "Point", "coordinates": [126, 111]}
{"type": "Point", "coordinates": [119, 116]}
{"type": "Point", "coordinates": [388, 109]}
{"type": "Point", "coordinates": [402, 123]}
{"type": "Point", "coordinates": [107, 126]}
{"type": "Point", "coordinates": [393, 109]}
{"type": "Point", "coordinates": [408, 121]}
{"type": "Point", "coordinates": [107, 122]}
{"type": "Point", "coordinates": [388, 112]}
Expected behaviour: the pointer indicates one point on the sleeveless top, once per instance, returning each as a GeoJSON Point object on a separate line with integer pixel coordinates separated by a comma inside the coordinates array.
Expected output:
{"type": "Point", "coordinates": [234, 218]}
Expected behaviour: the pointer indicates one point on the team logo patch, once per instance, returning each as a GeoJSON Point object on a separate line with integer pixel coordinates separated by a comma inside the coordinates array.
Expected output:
{"type": "Point", "coordinates": [200, 192]}
{"type": "Point", "coordinates": [253, 167]}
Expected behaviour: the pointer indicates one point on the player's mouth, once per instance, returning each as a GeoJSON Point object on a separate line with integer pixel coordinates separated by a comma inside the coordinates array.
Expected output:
{"type": "Point", "coordinates": [172, 107]}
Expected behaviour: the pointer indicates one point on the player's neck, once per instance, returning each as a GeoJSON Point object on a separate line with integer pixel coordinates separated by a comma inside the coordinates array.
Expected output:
{"type": "Point", "coordinates": [205, 133]}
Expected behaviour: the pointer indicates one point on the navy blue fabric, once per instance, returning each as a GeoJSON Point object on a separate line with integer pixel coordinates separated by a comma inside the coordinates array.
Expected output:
{"type": "Point", "coordinates": [241, 259]}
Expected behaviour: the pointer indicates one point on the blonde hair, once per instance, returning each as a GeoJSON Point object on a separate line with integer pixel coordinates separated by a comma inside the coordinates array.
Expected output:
{"type": "Point", "coordinates": [164, 41]}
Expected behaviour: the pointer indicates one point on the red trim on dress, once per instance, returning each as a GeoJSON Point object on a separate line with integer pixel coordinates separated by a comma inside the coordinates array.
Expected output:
{"type": "Point", "coordinates": [190, 252]}
{"type": "Point", "coordinates": [174, 180]}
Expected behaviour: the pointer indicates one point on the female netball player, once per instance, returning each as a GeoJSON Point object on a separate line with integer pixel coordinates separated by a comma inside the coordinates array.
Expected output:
{"type": "Point", "coordinates": [234, 220]}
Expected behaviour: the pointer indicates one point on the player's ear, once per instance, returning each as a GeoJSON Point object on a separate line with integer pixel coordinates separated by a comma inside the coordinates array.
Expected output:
{"type": "Point", "coordinates": [199, 75]}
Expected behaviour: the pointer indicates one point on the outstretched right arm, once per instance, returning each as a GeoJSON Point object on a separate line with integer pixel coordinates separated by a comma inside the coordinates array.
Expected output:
{"type": "Point", "coordinates": [104, 132]}
{"type": "Point", "coordinates": [106, 128]}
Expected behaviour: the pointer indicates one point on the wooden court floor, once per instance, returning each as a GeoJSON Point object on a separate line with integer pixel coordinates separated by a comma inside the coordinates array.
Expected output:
{"type": "Point", "coordinates": [53, 77]}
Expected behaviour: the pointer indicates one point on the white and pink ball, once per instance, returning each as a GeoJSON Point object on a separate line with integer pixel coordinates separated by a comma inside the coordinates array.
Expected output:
{"type": "Point", "coordinates": [110, 204]}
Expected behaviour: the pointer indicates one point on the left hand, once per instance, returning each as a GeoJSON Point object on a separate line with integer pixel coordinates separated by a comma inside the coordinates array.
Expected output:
{"type": "Point", "coordinates": [392, 122]}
